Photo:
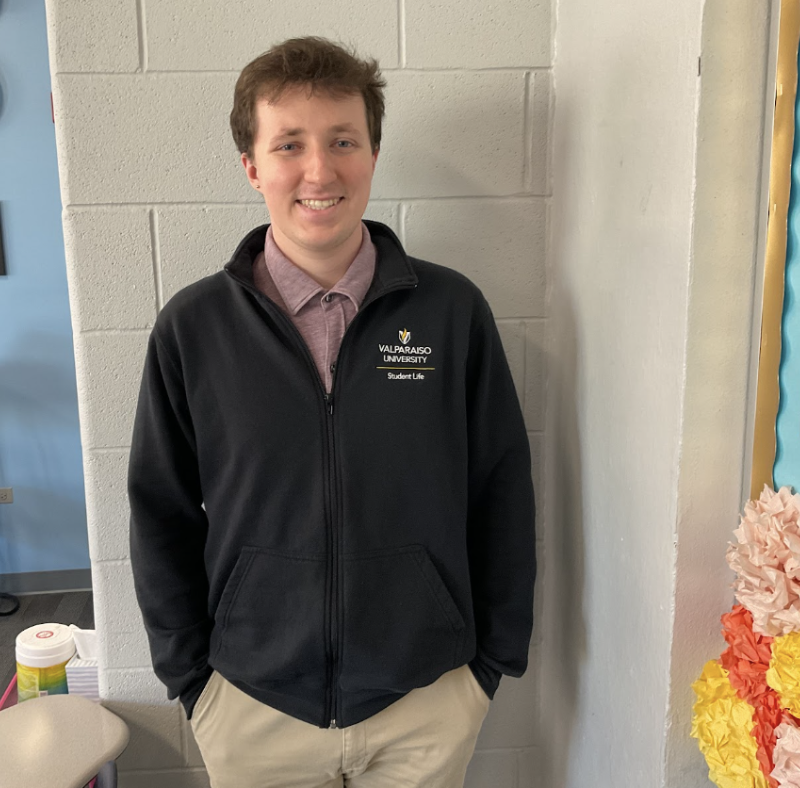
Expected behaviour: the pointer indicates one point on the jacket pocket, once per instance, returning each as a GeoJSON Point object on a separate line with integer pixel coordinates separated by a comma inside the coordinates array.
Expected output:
{"type": "Point", "coordinates": [269, 626]}
{"type": "Point", "coordinates": [402, 628]}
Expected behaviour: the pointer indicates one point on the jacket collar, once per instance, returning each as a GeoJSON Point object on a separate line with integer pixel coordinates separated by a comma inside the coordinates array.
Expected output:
{"type": "Point", "coordinates": [393, 269]}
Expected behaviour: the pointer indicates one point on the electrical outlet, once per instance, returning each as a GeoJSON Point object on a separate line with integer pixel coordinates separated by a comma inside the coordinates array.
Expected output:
{"type": "Point", "coordinates": [6, 495]}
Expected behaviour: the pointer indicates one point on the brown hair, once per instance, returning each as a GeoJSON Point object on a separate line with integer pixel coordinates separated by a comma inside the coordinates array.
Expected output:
{"type": "Point", "coordinates": [321, 65]}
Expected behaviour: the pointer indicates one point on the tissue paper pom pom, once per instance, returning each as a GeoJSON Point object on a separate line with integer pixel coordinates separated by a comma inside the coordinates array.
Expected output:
{"type": "Point", "coordinates": [787, 756]}
{"type": "Point", "coordinates": [767, 561]}
{"type": "Point", "coordinates": [784, 671]}
{"type": "Point", "coordinates": [747, 657]}
{"type": "Point", "coordinates": [721, 723]}
{"type": "Point", "coordinates": [768, 716]}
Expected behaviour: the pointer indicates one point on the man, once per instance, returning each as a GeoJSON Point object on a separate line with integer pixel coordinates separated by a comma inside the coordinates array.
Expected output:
{"type": "Point", "coordinates": [332, 511]}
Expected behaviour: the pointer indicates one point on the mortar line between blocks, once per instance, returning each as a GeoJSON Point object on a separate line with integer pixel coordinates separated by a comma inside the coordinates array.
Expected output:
{"type": "Point", "coordinates": [402, 223]}
{"type": "Point", "coordinates": [188, 204]}
{"type": "Point", "coordinates": [526, 130]}
{"type": "Point", "coordinates": [141, 29]}
{"type": "Point", "coordinates": [401, 33]}
{"type": "Point", "coordinates": [551, 112]}
{"type": "Point", "coordinates": [154, 240]}
{"type": "Point", "coordinates": [524, 366]}
{"type": "Point", "coordinates": [92, 331]}
{"type": "Point", "coordinates": [205, 73]}
{"type": "Point", "coordinates": [141, 669]}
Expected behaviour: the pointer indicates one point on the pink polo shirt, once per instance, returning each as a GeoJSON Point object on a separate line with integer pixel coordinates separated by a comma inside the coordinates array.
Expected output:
{"type": "Point", "coordinates": [320, 316]}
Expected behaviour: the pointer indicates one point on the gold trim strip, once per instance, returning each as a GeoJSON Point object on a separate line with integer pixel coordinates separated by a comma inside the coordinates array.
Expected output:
{"type": "Point", "coordinates": [780, 181]}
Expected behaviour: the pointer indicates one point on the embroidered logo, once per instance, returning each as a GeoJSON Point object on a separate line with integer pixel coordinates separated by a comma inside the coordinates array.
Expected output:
{"type": "Point", "coordinates": [399, 358]}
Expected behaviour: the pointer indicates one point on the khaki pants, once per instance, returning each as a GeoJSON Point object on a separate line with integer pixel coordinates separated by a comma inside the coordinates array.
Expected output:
{"type": "Point", "coordinates": [424, 740]}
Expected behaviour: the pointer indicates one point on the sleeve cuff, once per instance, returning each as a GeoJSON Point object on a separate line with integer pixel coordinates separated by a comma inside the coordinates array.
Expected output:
{"type": "Point", "coordinates": [487, 677]}
{"type": "Point", "coordinates": [190, 696]}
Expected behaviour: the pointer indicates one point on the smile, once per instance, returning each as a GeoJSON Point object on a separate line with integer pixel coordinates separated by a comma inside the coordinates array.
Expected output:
{"type": "Point", "coordinates": [320, 205]}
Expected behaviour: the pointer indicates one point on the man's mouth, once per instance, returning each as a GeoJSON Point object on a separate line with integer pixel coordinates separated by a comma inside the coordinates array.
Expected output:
{"type": "Point", "coordinates": [320, 205]}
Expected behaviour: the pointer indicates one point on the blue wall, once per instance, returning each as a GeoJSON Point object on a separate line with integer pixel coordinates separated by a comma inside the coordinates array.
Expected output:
{"type": "Point", "coordinates": [786, 470]}
{"type": "Point", "coordinates": [40, 454]}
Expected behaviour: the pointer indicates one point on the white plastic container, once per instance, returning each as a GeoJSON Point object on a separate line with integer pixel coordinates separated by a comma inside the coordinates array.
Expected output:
{"type": "Point", "coordinates": [42, 655]}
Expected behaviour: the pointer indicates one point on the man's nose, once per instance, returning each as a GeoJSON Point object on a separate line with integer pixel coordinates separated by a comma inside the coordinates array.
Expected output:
{"type": "Point", "coordinates": [319, 166]}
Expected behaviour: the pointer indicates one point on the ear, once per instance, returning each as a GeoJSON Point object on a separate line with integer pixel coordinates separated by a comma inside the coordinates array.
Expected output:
{"type": "Point", "coordinates": [375, 158]}
{"type": "Point", "coordinates": [251, 172]}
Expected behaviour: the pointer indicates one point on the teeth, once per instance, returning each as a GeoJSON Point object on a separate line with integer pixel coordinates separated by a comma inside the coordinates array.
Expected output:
{"type": "Point", "coordinates": [319, 205]}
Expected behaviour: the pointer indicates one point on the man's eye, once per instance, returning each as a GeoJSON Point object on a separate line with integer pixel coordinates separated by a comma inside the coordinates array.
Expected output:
{"type": "Point", "coordinates": [344, 142]}
{"type": "Point", "coordinates": [287, 146]}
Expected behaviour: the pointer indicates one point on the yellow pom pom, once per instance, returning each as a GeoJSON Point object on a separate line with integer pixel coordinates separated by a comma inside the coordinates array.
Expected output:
{"type": "Point", "coordinates": [721, 723]}
{"type": "Point", "coordinates": [784, 671]}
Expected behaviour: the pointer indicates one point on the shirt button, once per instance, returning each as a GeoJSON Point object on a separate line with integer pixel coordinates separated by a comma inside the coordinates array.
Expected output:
{"type": "Point", "coordinates": [329, 297]}
{"type": "Point", "coordinates": [333, 368]}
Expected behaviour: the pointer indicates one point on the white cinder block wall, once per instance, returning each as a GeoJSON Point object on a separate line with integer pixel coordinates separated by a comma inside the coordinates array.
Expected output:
{"type": "Point", "coordinates": [154, 198]}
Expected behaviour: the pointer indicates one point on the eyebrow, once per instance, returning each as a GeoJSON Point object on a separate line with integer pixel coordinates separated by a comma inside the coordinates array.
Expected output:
{"type": "Point", "coordinates": [296, 132]}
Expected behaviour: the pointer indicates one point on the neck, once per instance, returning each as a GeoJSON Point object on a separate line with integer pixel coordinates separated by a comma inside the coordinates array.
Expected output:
{"type": "Point", "coordinates": [325, 268]}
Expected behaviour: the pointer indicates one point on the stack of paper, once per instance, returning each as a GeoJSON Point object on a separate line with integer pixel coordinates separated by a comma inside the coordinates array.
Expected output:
{"type": "Point", "coordinates": [82, 669]}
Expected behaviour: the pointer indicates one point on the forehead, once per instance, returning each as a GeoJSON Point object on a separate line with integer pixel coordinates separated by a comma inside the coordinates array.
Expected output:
{"type": "Point", "coordinates": [298, 111]}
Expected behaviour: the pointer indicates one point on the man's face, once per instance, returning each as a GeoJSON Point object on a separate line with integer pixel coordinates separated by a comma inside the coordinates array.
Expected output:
{"type": "Point", "coordinates": [312, 148]}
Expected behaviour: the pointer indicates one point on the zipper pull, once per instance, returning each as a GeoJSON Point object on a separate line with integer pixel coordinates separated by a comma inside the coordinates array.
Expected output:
{"type": "Point", "coordinates": [329, 403]}
{"type": "Point", "coordinates": [333, 724]}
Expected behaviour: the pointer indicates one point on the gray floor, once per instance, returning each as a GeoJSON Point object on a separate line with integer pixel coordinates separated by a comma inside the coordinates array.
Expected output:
{"type": "Point", "coordinates": [72, 607]}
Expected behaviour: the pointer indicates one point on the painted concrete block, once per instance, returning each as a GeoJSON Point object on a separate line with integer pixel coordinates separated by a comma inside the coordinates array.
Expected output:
{"type": "Point", "coordinates": [475, 34]}
{"type": "Point", "coordinates": [513, 714]}
{"type": "Point", "coordinates": [512, 334]}
{"type": "Point", "coordinates": [536, 442]}
{"type": "Point", "coordinates": [529, 768]}
{"type": "Point", "coordinates": [492, 770]}
{"type": "Point", "coordinates": [107, 509]}
{"type": "Point", "coordinates": [535, 374]}
{"type": "Point", "coordinates": [183, 778]}
{"type": "Point", "coordinates": [126, 650]}
{"type": "Point", "coordinates": [538, 597]}
{"type": "Point", "coordinates": [182, 36]}
{"type": "Point", "coordinates": [498, 244]}
{"type": "Point", "coordinates": [110, 267]}
{"type": "Point", "coordinates": [387, 213]}
{"type": "Point", "coordinates": [108, 369]}
{"type": "Point", "coordinates": [155, 735]}
{"type": "Point", "coordinates": [93, 36]}
{"type": "Point", "coordinates": [452, 134]}
{"type": "Point", "coordinates": [147, 138]}
{"type": "Point", "coordinates": [135, 685]}
{"type": "Point", "coordinates": [116, 609]}
{"type": "Point", "coordinates": [196, 241]}
{"type": "Point", "coordinates": [540, 113]}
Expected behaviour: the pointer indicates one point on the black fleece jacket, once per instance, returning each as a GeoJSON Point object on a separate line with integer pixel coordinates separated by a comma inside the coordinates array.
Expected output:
{"type": "Point", "coordinates": [329, 553]}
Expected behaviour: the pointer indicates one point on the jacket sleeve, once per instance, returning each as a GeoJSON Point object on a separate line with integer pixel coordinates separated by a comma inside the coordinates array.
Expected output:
{"type": "Point", "coordinates": [501, 539]}
{"type": "Point", "coordinates": [168, 530]}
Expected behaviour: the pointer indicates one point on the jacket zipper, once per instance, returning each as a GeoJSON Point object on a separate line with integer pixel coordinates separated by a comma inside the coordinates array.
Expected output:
{"type": "Point", "coordinates": [334, 499]}
{"type": "Point", "coordinates": [333, 618]}
{"type": "Point", "coordinates": [330, 704]}
{"type": "Point", "coordinates": [328, 399]}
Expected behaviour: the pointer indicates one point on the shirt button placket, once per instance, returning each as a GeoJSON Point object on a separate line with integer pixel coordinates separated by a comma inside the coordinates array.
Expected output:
{"type": "Point", "coordinates": [337, 329]}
